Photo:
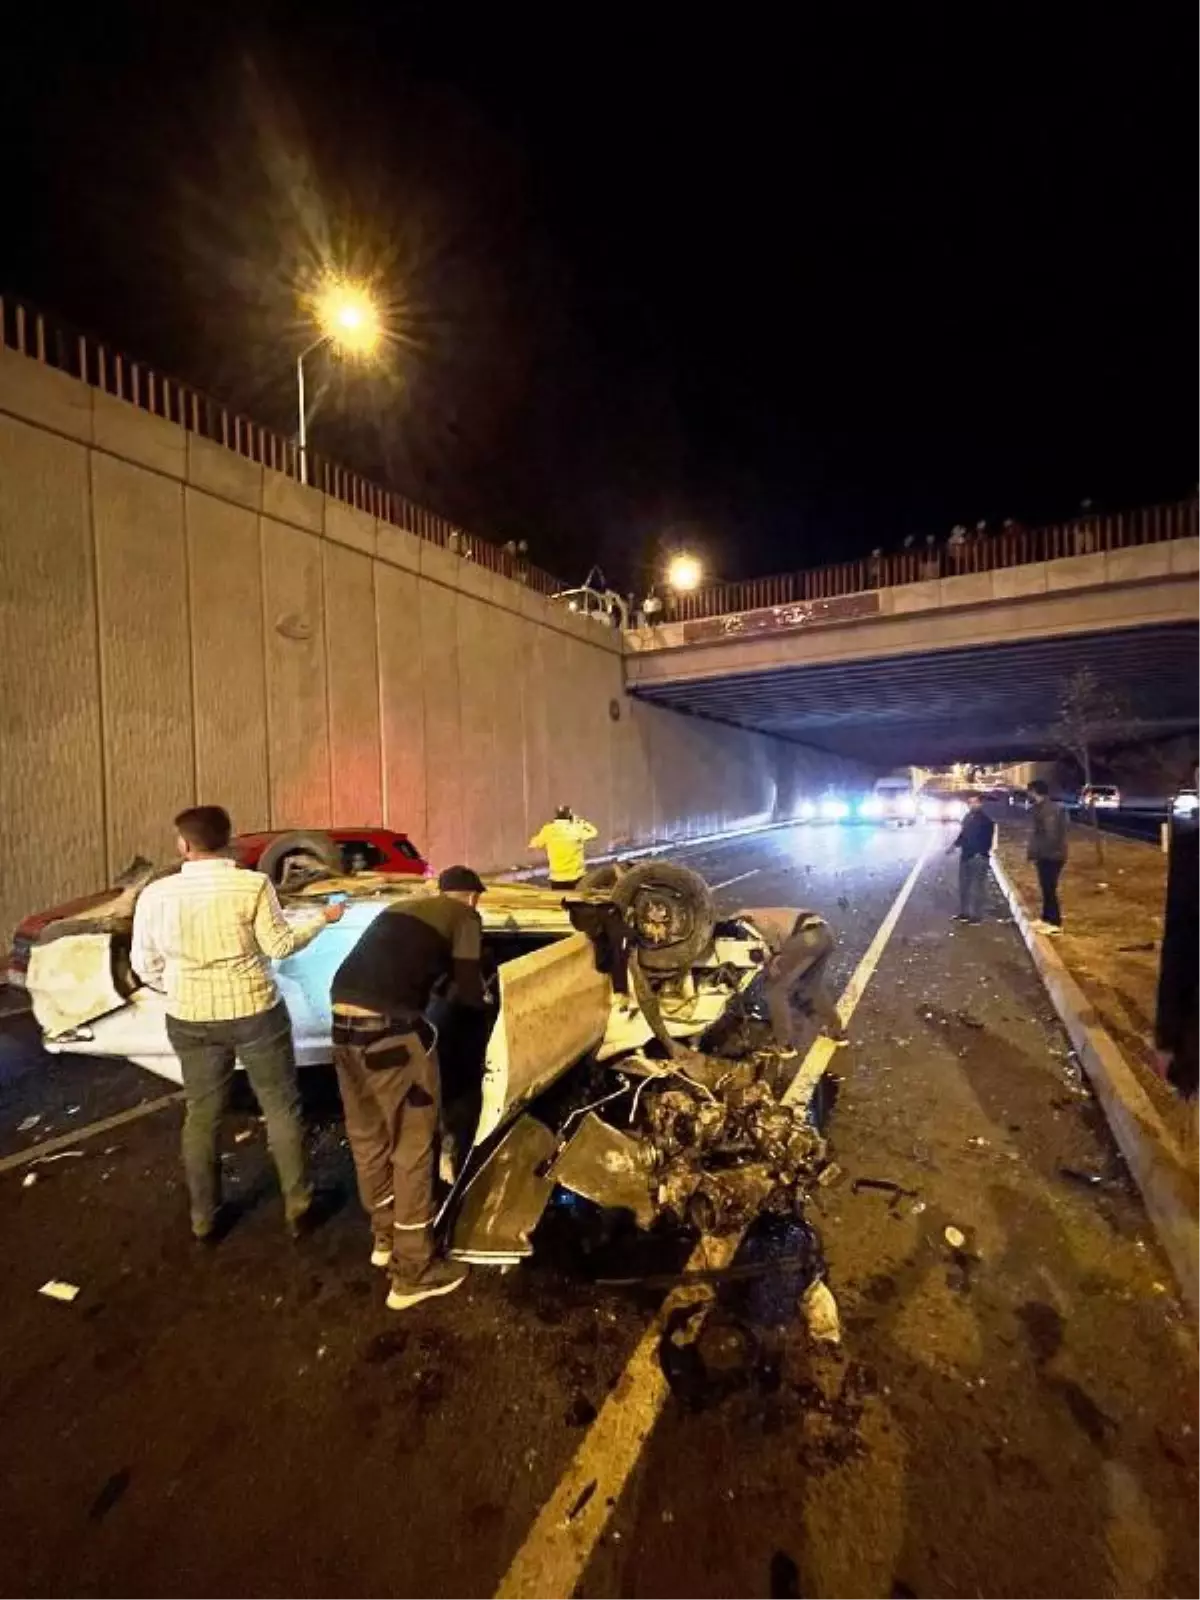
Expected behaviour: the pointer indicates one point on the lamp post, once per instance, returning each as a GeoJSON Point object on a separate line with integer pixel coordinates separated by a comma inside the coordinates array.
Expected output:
{"type": "Point", "coordinates": [348, 319]}
{"type": "Point", "coordinates": [684, 573]}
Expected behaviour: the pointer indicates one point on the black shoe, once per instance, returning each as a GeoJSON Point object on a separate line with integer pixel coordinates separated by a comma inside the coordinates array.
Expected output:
{"type": "Point", "coordinates": [324, 1204]}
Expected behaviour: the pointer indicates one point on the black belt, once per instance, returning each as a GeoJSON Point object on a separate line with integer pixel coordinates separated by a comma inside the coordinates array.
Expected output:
{"type": "Point", "coordinates": [378, 1022]}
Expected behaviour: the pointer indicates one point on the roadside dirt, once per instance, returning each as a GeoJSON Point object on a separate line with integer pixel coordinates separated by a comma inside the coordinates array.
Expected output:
{"type": "Point", "coordinates": [1111, 943]}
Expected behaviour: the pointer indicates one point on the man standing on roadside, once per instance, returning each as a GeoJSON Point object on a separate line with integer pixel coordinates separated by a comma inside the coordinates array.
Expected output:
{"type": "Point", "coordinates": [1047, 850]}
{"type": "Point", "coordinates": [563, 841]}
{"type": "Point", "coordinates": [975, 841]}
{"type": "Point", "coordinates": [385, 1052]}
{"type": "Point", "coordinates": [203, 936]}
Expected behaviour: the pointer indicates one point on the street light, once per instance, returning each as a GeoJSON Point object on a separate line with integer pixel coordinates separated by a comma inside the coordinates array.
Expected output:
{"type": "Point", "coordinates": [348, 319]}
{"type": "Point", "coordinates": [684, 573]}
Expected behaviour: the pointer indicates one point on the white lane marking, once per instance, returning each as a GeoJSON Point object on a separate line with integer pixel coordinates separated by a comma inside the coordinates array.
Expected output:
{"type": "Point", "coordinates": [800, 1090]}
{"type": "Point", "coordinates": [566, 1530]}
{"type": "Point", "coordinates": [741, 878]}
{"type": "Point", "coordinates": [39, 1152]}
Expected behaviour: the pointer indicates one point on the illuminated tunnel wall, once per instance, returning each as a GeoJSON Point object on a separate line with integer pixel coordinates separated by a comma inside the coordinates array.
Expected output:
{"type": "Point", "coordinates": [181, 625]}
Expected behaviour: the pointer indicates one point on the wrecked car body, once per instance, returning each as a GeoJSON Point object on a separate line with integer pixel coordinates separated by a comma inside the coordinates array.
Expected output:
{"type": "Point", "coordinates": [634, 981]}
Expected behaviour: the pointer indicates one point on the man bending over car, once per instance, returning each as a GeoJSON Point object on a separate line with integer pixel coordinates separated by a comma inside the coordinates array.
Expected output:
{"type": "Point", "coordinates": [385, 1052]}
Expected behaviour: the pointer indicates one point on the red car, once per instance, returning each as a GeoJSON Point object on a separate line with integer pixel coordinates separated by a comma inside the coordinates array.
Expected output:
{"type": "Point", "coordinates": [361, 850]}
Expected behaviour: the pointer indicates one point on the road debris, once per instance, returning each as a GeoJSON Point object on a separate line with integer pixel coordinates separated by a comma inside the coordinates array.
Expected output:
{"type": "Point", "coordinates": [821, 1313]}
{"type": "Point", "coordinates": [582, 1501]}
{"type": "Point", "coordinates": [242, 1135]}
{"type": "Point", "coordinates": [955, 1238]}
{"type": "Point", "coordinates": [28, 1181]}
{"type": "Point", "coordinates": [59, 1155]}
{"type": "Point", "coordinates": [885, 1186]}
{"type": "Point", "coordinates": [28, 1124]}
{"type": "Point", "coordinates": [58, 1289]}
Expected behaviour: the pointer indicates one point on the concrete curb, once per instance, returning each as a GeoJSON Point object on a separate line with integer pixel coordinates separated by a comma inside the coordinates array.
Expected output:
{"type": "Point", "coordinates": [1153, 1155]}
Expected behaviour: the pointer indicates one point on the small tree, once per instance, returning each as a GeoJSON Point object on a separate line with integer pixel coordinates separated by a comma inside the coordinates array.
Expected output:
{"type": "Point", "coordinates": [1090, 712]}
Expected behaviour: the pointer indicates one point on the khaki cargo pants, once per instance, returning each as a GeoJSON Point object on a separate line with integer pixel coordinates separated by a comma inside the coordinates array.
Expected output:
{"type": "Point", "coordinates": [391, 1098]}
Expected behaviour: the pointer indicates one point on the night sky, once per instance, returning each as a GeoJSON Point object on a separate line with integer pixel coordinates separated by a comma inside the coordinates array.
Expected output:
{"type": "Point", "coordinates": [781, 287]}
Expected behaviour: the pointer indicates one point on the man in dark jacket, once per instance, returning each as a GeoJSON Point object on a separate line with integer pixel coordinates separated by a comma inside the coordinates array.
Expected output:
{"type": "Point", "coordinates": [385, 1052]}
{"type": "Point", "coordinates": [975, 841]}
{"type": "Point", "coordinates": [1175, 1023]}
{"type": "Point", "coordinates": [1048, 851]}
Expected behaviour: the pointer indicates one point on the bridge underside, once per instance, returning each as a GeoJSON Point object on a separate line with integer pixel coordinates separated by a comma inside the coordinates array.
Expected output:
{"type": "Point", "coordinates": [986, 703]}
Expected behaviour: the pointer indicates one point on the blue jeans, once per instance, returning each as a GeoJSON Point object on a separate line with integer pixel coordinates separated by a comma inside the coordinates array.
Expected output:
{"type": "Point", "coordinates": [208, 1054]}
{"type": "Point", "coordinates": [972, 884]}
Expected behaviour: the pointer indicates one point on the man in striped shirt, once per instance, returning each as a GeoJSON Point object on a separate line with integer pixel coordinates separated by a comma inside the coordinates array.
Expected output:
{"type": "Point", "coordinates": [203, 936]}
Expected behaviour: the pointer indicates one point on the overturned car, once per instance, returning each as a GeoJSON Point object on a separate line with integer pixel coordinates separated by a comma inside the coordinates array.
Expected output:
{"type": "Point", "coordinates": [624, 1060]}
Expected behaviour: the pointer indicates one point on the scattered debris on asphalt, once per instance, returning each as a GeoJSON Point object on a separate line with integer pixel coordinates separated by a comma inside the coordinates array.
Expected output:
{"type": "Point", "coordinates": [28, 1124]}
{"type": "Point", "coordinates": [28, 1181]}
{"type": "Point", "coordinates": [582, 1501]}
{"type": "Point", "coordinates": [58, 1289]}
{"type": "Point", "coordinates": [59, 1155]}
{"type": "Point", "coordinates": [885, 1186]}
{"type": "Point", "coordinates": [955, 1238]}
{"type": "Point", "coordinates": [242, 1135]}
{"type": "Point", "coordinates": [821, 1313]}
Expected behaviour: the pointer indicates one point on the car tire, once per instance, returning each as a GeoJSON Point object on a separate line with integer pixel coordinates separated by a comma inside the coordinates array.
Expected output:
{"type": "Point", "coordinates": [670, 913]}
{"type": "Point", "coordinates": [319, 847]}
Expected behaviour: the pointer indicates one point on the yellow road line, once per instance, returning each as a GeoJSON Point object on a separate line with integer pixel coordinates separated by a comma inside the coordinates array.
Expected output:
{"type": "Point", "coordinates": [566, 1530]}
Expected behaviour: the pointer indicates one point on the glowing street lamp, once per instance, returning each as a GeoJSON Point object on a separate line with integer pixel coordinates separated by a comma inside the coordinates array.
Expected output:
{"type": "Point", "coordinates": [684, 573]}
{"type": "Point", "coordinates": [348, 320]}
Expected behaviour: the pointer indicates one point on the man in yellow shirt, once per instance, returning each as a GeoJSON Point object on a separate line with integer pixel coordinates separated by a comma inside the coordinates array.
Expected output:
{"type": "Point", "coordinates": [563, 841]}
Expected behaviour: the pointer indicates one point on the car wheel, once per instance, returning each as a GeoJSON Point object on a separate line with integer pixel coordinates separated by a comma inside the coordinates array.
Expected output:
{"type": "Point", "coordinates": [601, 880]}
{"type": "Point", "coordinates": [670, 913]}
{"type": "Point", "coordinates": [291, 850]}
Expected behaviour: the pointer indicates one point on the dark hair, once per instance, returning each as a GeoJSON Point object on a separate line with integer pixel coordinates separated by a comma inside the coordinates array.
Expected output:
{"type": "Point", "coordinates": [1039, 786]}
{"type": "Point", "coordinates": [974, 794]}
{"type": "Point", "coordinates": [205, 827]}
{"type": "Point", "coordinates": [563, 814]}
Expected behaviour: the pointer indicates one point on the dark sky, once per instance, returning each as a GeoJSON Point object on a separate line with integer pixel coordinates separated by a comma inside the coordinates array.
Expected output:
{"type": "Point", "coordinates": [781, 286]}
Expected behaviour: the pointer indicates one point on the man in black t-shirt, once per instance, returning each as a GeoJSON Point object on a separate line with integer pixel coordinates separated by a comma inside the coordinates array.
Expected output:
{"type": "Point", "coordinates": [385, 1053]}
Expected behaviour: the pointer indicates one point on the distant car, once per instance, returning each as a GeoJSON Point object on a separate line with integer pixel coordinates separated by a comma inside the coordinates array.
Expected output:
{"type": "Point", "coordinates": [1100, 797]}
{"type": "Point", "coordinates": [891, 800]}
{"type": "Point", "coordinates": [282, 855]}
{"type": "Point", "coordinates": [941, 807]}
{"type": "Point", "coordinates": [1185, 803]}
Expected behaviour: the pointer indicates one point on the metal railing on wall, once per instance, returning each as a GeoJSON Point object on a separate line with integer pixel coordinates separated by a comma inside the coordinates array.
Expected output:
{"type": "Point", "coordinates": [976, 552]}
{"type": "Point", "coordinates": [34, 333]}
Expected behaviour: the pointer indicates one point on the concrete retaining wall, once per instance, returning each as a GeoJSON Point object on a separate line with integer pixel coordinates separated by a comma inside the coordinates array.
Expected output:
{"type": "Point", "coordinates": [178, 624]}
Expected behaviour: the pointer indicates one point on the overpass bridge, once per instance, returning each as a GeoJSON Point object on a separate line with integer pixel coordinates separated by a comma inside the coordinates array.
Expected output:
{"type": "Point", "coordinates": [944, 654]}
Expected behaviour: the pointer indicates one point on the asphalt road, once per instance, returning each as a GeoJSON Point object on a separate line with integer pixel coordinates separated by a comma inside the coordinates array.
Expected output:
{"type": "Point", "coordinates": [1011, 1417]}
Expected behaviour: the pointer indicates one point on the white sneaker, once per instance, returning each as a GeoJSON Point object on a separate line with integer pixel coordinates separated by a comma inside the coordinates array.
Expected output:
{"type": "Point", "coordinates": [440, 1277]}
{"type": "Point", "coordinates": [1052, 930]}
{"type": "Point", "coordinates": [381, 1254]}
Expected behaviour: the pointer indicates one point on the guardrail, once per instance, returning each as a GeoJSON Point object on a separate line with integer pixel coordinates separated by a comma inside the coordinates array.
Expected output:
{"type": "Point", "coordinates": [46, 339]}
{"type": "Point", "coordinates": [1012, 547]}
